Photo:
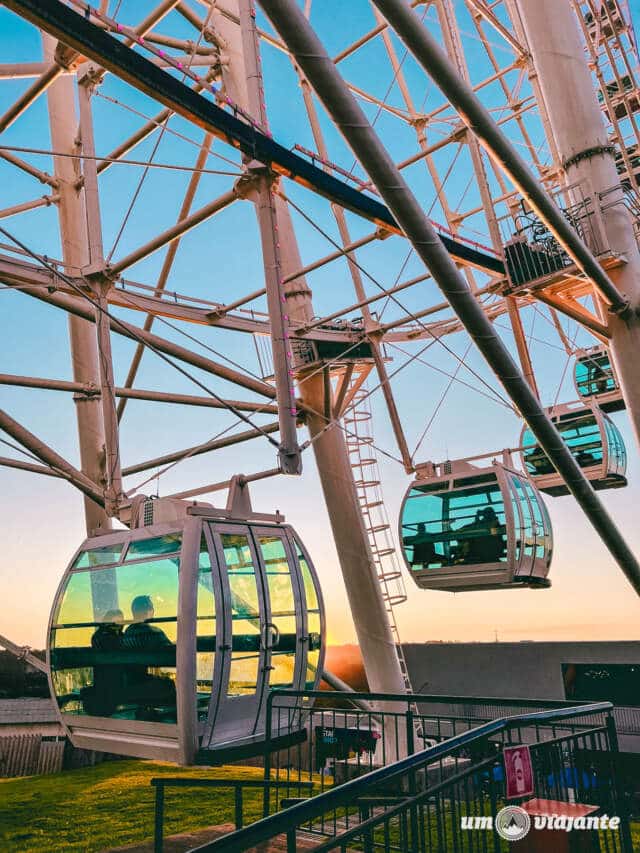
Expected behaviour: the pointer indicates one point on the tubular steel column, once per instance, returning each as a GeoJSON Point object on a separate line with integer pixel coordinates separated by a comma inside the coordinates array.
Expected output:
{"type": "Point", "coordinates": [73, 235]}
{"type": "Point", "coordinates": [436, 63]}
{"type": "Point", "coordinates": [310, 54]}
{"type": "Point", "coordinates": [268, 222]}
{"type": "Point", "coordinates": [101, 286]}
{"type": "Point", "coordinates": [588, 157]}
{"type": "Point", "coordinates": [336, 476]}
{"type": "Point", "coordinates": [454, 47]}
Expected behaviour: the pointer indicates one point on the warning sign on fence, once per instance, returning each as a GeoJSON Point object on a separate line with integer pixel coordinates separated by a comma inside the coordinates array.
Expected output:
{"type": "Point", "coordinates": [518, 769]}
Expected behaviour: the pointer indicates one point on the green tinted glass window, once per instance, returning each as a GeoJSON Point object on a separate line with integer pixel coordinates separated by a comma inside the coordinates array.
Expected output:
{"type": "Point", "coordinates": [245, 614]}
{"type": "Point", "coordinates": [76, 605]}
{"type": "Point", "coordinates": [283, 610]}
{"type": "Point", "coordinates": [103, 556]}
{"type": "Point", "coordinates": [307, 580]}
{"type": "Point", "coordinates": [205, 639]}
{"type": "Point", "coordinates": [113, 644]}
{"type": "Point", "coordinates": [157, 546]}
{"type": "Point", "coordinates": [465, 526]}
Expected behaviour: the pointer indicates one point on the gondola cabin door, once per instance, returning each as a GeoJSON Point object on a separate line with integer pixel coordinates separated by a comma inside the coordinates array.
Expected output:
{"type": "Point", "coordinates": [242, 651]}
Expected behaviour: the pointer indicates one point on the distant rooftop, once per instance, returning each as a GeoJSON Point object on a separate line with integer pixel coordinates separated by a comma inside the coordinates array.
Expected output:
{"type": "Point", "coordinates": [21, 711]}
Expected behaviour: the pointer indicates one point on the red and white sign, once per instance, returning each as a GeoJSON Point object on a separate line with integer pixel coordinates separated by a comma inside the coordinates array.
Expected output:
{"type": "Point", "coordinates": [518, 769]}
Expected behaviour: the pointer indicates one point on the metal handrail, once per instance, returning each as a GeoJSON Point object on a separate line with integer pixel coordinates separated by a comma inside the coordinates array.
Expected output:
{"type": "Point", "coordinates": [423, 796]}
{"type": "Point", "coordinates": [303, 813]}
{"type": "Point", "coordinates": [237, 785]}
{"type": "Point", "coordinates": [423, 698]}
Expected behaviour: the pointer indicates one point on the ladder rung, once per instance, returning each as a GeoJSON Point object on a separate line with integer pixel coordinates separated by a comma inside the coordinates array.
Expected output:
{"type": "Point", "coordinates": [386, 552]}
{"type": "Point", "coordinates": [378, 528]}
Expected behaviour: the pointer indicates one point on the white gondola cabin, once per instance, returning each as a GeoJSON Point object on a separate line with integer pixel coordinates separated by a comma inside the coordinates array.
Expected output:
{"type": "Point", "coordinates": [166, 639]}
{"type": "Point", "coordinates": [465, 527]}
{"type": "Point", "coordinates": [594, 441]}
{"type": "Point", "coordinates": [595, 379]}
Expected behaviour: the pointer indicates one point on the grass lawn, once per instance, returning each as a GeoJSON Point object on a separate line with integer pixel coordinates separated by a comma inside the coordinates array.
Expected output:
{"type": "Point", "coordinates": [95, 809]}
{"type": "Point", "coordinates": [110, 805]}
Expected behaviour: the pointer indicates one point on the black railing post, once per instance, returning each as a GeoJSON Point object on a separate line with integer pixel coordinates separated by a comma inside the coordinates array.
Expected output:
{"type": "Point", "coordinates": [237, 788]}
{"type": "Point", "coordinates": [413, 785]}
{"type": "Point", "coordinates": [619, 795]}
{"type": "Point", "coordinates": [291, 840]}
{"type": "Point", "coordinates": [367, 841]}
{"type": "Point", "coordinates": [266, 802]}
{"type": "Point", "coordinates": [493, 800]}
{"type": "Point", "coordinates": [158, 842]}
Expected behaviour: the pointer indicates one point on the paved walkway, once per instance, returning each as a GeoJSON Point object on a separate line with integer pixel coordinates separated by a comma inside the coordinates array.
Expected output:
{"type": "Point", "coordinates": [188, 840]}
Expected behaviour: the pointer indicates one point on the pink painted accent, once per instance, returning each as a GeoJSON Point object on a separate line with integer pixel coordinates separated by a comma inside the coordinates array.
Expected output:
{"type": "Point", "coordinates": [518, 768]}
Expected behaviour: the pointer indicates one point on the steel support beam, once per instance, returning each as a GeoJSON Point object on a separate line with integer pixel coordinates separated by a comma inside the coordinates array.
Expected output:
{"type": "Point", "coordinates": [32, 94]}
{"type": "Point", "coordinates": [167, 264]}
{"type": "Point", "coordinates": [100, 288]}
{"type": "Point", "coordinates": [72, 219]}
{"type": "Point", "coordinates": [328, 439]}
{"type": "Point", "coordinates": [45, 454]}
{"type": "Point", "coordinates": [78, 307]}
{"type": "Point", "coordinates": [73, 29]}
{"type": "Point", "coordinates": [134, 394]}
{"type": "Point", "coordinates": [588, 160]}
{"type": "Point", "coordinates": [310, 54]}
{"type": "Point", "coordinates": [442, 71]}
{"type": "Point", "coordinates": [24, 653]}
{"type": "Point", "coordinates": [181, 227]}
{"type": "Point", "coordinates": [19, 465]}
{"type": "Point", "coordinates": [199, 449]}
{"type": "Point", "coordinates": [43, 201]}
{"type": "Point", "coordinates": [266, 205]}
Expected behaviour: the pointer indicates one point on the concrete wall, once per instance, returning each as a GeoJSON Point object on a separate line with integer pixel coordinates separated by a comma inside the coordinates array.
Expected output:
{"type": "Point", "coordinates": [506, 670]}
{"type": "Point", "coordinates": [516, 671]}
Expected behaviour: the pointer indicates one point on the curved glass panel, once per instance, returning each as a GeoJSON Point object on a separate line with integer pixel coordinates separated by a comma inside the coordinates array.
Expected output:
{"type": "Point", "coordinates": [205, 631]}
{"type": "Point", "coordinates": [245, 615]}
{"type": "Point", "coordinates": [541, 519]}
{"type": "Point", "coordinates": [113, 642]}
{"type": "Point", "coordinates": [313, 620]}
{"type": "Point", "coordinates": [461, 526]}
{"type": "Point", "coordinates": [616, 448]}
{"type": "Point", "coordinates": [518, 519]}
{"type": "Point", "coordinates": [283, 611]}
{"type": "Point", "coordinates": [156, 547]}
{"type": "Point", "coordinates": [103, 556]}
{"type": "Point", "coordinates": [594, 375]}
{"type": "Point", "coordinates": [581, 434]}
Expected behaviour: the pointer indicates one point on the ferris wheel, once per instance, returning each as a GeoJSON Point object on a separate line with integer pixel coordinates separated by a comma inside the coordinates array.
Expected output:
{"type": "Point", "coordinates": [280, 211]}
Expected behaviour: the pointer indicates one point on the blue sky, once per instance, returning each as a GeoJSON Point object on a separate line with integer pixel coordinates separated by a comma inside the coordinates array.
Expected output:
{"type": "Point", "coordinates": [42, 518]}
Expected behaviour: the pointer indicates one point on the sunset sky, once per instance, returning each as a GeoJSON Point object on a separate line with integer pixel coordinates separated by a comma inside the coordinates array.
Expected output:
{"type": "Point", "coordinates": [42, 518]}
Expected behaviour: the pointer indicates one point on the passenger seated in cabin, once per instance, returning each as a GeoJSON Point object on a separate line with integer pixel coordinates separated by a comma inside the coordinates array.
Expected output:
{"type": "Point", "coordinates": [424, 552]}
{"type": "Point", "coordinates": [483, 540]}
{"type": "Point", "coordinates": [141, 634]}
{"type": "Point", "coordinates": [599, 378]}
{"type": "Point", "coordinates": [585, 459]}
{"type": "Point", "coordinates": [100, 698]}
{"type": "Point", "coordinates": [143, 688]}
{"type": "Point", "coordinates": [108, 635]}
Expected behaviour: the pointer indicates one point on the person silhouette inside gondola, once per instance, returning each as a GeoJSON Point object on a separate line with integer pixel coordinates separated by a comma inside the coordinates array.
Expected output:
{"type": "Point", "coordinates": [599, 378]}
{"type": "Point", "coordinates": [483, 539]}
{"type": "Point", "coordinates": [143, 640]}
{"type": "Point", "coordinates": [101, 698]}
{"type": "Point", "coordinates": [424, 552]}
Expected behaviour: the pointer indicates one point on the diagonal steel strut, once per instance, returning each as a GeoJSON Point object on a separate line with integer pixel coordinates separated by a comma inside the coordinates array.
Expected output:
{"type": "Point", "coordinates": [310, 54]}
{"type": "Point", "coordinates": [478, 119]}
{"type": "Point", "coordinates": [72, 29]}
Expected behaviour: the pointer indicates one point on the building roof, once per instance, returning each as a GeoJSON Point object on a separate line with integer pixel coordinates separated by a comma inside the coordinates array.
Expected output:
{"type": "Point", "coordinates": [27, 710]}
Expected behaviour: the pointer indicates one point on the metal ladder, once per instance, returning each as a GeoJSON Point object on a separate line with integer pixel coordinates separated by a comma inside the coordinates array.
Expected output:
{"type": "Point", "coordinates": [358, 422]}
